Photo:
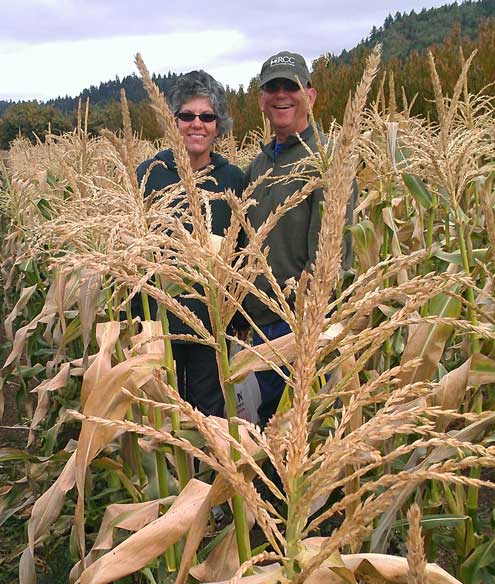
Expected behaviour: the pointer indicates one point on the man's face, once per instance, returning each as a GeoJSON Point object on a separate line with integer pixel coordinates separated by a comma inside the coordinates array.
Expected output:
{"type": "Point", "coordinates": [285, 107]}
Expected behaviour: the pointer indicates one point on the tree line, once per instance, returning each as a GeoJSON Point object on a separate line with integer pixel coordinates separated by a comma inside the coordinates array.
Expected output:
{"type": "Point", "coordinates": [468, 26]}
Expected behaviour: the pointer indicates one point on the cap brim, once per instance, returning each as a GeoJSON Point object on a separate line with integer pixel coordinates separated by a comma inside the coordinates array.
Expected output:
{"type": "Point", "coordinates": [281, 75]}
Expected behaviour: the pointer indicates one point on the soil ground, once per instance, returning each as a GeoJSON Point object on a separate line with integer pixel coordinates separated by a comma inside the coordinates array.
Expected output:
{"type": "Point", "coordinates": [12, 434]}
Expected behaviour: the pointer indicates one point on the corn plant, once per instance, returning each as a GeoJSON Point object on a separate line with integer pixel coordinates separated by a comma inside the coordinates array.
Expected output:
{"type": "Point", "coordinates": [388, 405]}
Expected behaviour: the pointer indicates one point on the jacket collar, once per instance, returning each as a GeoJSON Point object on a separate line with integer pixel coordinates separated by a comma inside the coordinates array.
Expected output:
{"type": "Point", "coordinates": [167, 156]}
{"type": "Point", "coordinates": [292, 140]}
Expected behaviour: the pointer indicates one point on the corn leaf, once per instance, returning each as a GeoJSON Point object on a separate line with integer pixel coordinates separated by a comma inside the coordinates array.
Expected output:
{"type": "Point", "coordinates": [481, 557]}
{"type": "Point", "coordinates": [456, 258]}
{"type": "Point", "coordinates": [151, 541]}
{"type": "Point", "coordinates": [26, 294]}
{"type": "Point", "coordinates": [418, 190]}
{"type": "Point", "coordinates": [106, 334]}
{"type": "Point", "coordinates": [261, 357]}
{"type": "Point", "coordinates": [270, 574]}
{"type": "Point", "coordinates": [365, 244]}
{"type": "Point", "coordinates": [151, 329]}
{"type": "Point", "coordinates": [56, 300]}
{"type": "Point", "coordinates": [221, 564]}
{"type": "Point", "coordinates": [428, 340]}
{"type": "Point", "coordinates": [45, 511]}
{"type": "Point", "coordinates": [43, 390]}
{"type": "Point", "coordinates": [87, 301]}
{"type": "Point", "coordinates": [472, 432]}
{"type": "Point", "coordinates": [106, 400]}
{"type": "Point", "coordinates": [388, 219]}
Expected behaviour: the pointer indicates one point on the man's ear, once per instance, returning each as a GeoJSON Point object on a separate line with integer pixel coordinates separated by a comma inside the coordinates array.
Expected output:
{"type": "Point", "coordinates": [312, 94]}
{"type": "Point", "coordinates": [261, 100]}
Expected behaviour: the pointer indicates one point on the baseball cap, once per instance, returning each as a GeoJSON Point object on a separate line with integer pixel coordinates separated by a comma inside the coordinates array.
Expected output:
{"type": "Point", "coordinates": [286, 65]}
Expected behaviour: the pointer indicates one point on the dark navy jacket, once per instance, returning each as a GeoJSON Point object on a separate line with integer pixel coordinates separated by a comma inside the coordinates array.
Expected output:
{"type": "Point", "coordinates": [227, 176]}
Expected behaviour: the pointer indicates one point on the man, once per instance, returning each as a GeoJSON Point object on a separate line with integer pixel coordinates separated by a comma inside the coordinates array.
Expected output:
{"type": "Point", "coordinates": [294, 239]}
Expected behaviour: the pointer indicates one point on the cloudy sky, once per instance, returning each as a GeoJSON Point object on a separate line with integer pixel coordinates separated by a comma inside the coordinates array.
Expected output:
{"type": "Point", "coordinates": [50, 48]}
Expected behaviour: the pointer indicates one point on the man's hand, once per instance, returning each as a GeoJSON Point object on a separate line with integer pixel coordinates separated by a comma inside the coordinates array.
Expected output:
{"type": "Point", "coordinates": [242, 334]}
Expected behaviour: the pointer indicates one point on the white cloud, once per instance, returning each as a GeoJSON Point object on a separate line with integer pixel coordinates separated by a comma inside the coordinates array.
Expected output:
{"type": "Point", "coordinates": [47, 70]}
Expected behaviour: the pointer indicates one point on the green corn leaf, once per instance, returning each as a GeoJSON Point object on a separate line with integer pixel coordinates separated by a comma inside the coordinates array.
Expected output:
{"type": "Point", "coordinates": [482, 557]}
{"type": "Point", "coordinates": [44, 208]}
{"type": "Point", "coordinates": [455, 256]}
{"type": "Point", "coordinates": [72, 331]}
{"type": "Point", "coordinates": [8, 511]}
{"type": "Point", "coordinates": [28, 372]}
{"type": "Point", "coordinates": [365, 244]}
{"type": "Point", "coordinates": [27, 267]}
{"type": "Point", "coordinates": [51, 179]}
{"type": "Point", "coordinates": [7, 454]}
{"type": "Point", "coordinates": [435, 521]}
{"type": "Point", "coordinates": [211, 545]}
{"type": "Point", "coordinates": [418, 190]}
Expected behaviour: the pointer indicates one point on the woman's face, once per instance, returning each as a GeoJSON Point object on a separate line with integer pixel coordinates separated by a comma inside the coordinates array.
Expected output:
{"type": "Point", "coordinates": [198, 136]}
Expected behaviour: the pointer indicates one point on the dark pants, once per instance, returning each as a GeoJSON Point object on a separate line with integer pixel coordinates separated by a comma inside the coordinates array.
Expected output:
{"type": "Point", "coordinates": [197, 376]}
{"type": "Point", "coordinates": [271, 384]}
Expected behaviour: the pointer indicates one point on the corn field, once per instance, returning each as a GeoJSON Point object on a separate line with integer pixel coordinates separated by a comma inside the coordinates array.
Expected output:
{"type": "Point", "coordinates": [375, 466]}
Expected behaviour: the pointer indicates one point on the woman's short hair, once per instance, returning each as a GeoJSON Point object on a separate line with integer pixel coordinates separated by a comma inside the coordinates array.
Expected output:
{"type": "Point", "coordinates": [201, 84]}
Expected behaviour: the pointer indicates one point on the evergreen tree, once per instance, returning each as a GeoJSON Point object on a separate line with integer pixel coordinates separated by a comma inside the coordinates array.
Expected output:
{"type": "Point", "coordinates": [32, 120]}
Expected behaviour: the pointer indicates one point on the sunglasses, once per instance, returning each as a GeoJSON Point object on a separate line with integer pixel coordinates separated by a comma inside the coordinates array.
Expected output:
{"type": "Point", "coordinates": [275, 84]}
{"type": "Point", "coordinates": [206, 117]}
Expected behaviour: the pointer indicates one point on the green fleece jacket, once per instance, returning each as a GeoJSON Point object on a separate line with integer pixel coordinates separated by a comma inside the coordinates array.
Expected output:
{"type": "Point", "coordinates": [294, 239]}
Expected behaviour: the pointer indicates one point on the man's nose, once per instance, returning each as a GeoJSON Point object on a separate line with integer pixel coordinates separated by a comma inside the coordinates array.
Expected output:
{"type": "Point", "coordinates": [282, 91]}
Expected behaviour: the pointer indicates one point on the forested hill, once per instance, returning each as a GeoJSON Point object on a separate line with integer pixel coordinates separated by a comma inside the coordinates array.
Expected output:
{"type": "Point", "coordinates": [4, 105]}
{"type": "Point", "coordinates": [110, 91]}
{"type": "Point", "coordinates": [107, 92]}
{"type": "Point", "coordinates": [403, 33]}
{"type": "Point", "coordinates": [404, 38]}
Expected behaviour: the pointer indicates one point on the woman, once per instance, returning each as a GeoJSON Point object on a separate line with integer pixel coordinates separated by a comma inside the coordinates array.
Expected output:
{"type": "Point", "coordinates": [200, 106]}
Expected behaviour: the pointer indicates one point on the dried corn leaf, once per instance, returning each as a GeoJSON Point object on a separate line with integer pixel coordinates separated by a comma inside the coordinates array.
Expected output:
{"type": "Point", "coordinates": [271, 574]}
{"type": "Point", "coordinates": [24, 298]}
{"type": "Point", "coordinates": [220, 492]}
{"type": "Point", "coordinates": [150, 542]}
{"type": "Point", "coordinates": [129, 516]}
{"type": "Point", "coordinates": [247, 360]}
{"type": "Point", "coordinates": [392, 569]}
{"type": "Point", "coordinates": [46, 316]}
{"type": "Point", "coordinates": [195, 536]}
{"type": "Point", "coordinates": [427, 341]}
{"type": "Point", "coordinates": [351, 568]}
{"type": "Point", "coordinates": [45, 511]}
{"type": "Point", "coordinates": [106, 400]}
{"type": "Point", "coordinates": [222, 563]}
{"type": "Point", "coordinates": [150, 330]}
{"type": "Point", "coordinates": [477, 370]}
{"type": "Point", "coordinates": [106, 334]}
{"type": "Point", "coordinates": [43, 390]}
{"type": "Point", "coordinates": [89, 290]}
